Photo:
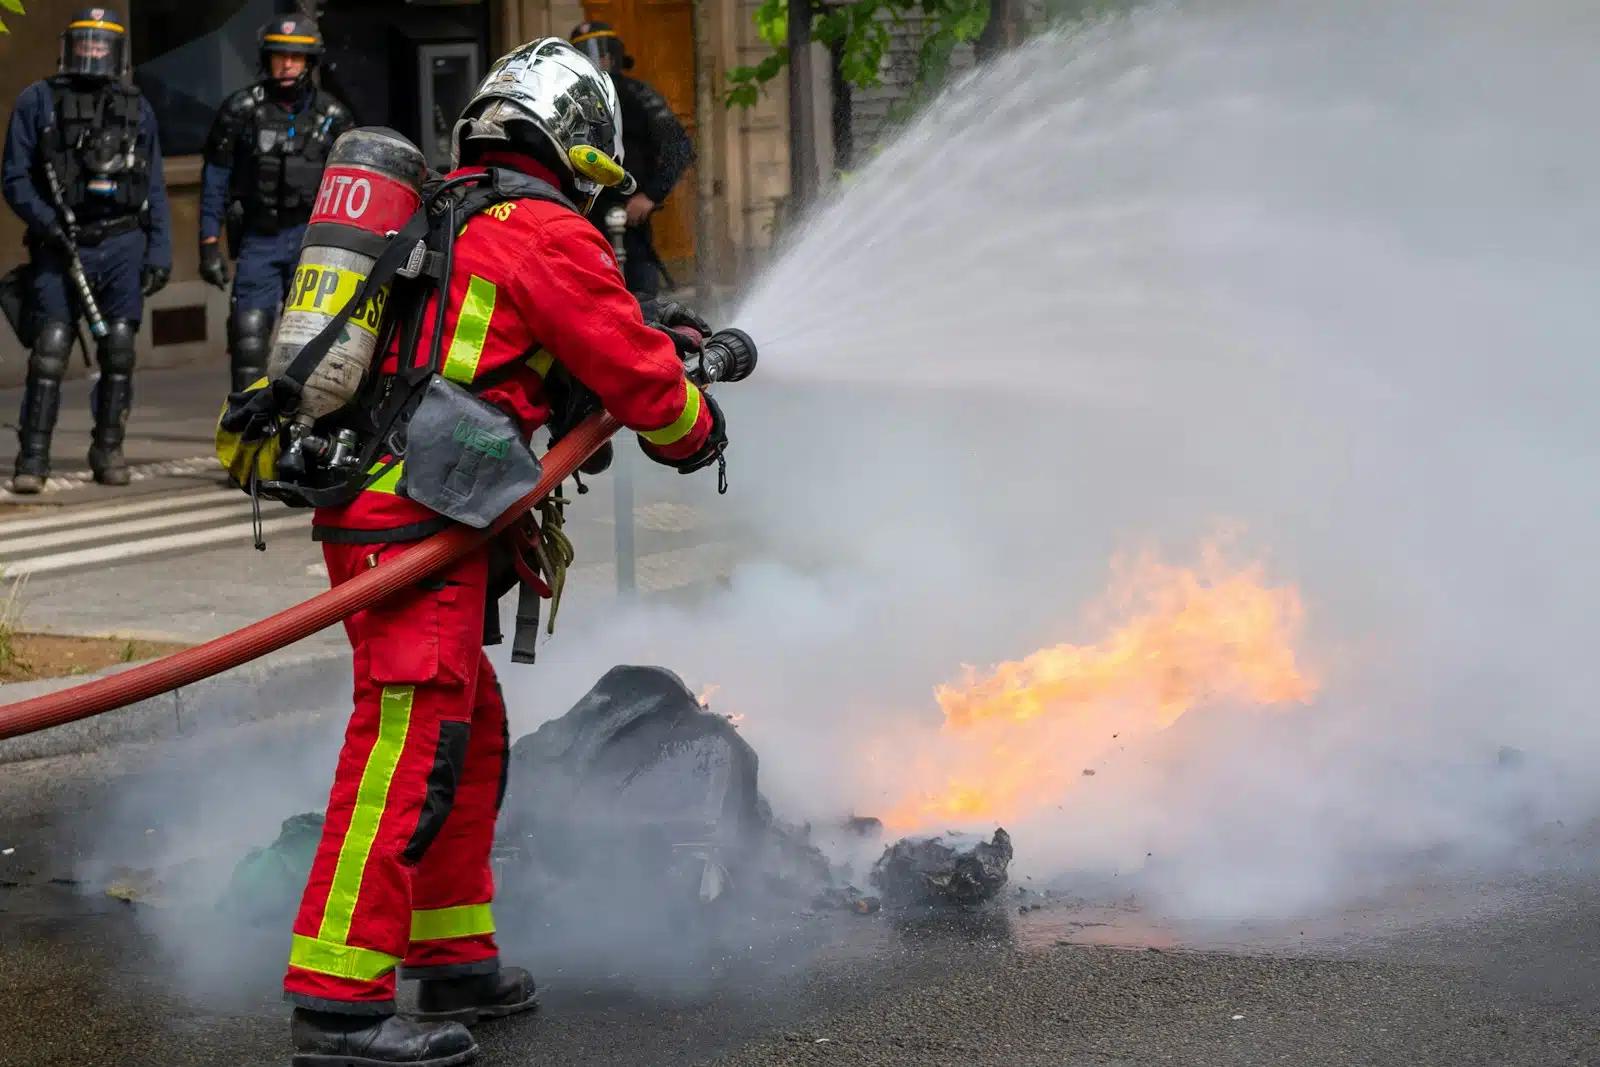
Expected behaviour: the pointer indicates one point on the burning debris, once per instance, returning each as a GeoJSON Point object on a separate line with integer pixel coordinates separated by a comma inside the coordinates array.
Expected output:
{"type": "Point", "coordinates": [948, 869]}
{"type": "Point", "coordinates": [641, 786]}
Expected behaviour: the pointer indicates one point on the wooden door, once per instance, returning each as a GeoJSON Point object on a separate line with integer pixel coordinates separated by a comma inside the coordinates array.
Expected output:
{"type": "Point", "coordinates": [659, 35]}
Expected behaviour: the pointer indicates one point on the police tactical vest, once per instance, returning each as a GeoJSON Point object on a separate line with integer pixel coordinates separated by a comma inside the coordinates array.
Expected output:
{"type": "Point", "coordinates": [96, 151]}
{"type": "Point", "coordinates": [283, 156]}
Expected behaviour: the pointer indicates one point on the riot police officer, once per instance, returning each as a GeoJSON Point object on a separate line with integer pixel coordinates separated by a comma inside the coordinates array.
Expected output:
{"type": "Point", "coordinates": [656, 146]}
{"type": "Point", "coordinates": [263, 164]}
{"type": "Point", "coordinates": [83, 169]}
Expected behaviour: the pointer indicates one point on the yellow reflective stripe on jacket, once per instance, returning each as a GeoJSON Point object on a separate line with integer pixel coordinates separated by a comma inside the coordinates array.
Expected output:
{"type": "Point", "coordinates": [675, 432]}
{"type": "Point", "coordinates": [439, 924]}
{"type": "Point", "coordinates": [341, 961]}
{"type": "Point", "coordinates": [372, 797]}
{"type": "Point", "coordinates": [472, 330]}
{"type": "Point", "coordinates": [390, 479]}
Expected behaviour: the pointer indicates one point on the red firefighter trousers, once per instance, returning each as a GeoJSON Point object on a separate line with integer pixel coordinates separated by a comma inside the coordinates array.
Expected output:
{"type": "Point", "coordinates": [402, 873]}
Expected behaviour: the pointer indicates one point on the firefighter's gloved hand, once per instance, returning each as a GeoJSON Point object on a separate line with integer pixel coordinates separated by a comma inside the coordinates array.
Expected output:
{"type": "Point", "coordinates": [213, 271]}
{"type": "Point", "coordinates": [710, 452]}
{"type": "Point", "coordinates": [669, 313]}
{"type": "Point", "coordinates": [155, 279]}
{"type": "Point", "coordinates": [684, 343]}
{"type": "Point", "coordinates": [253, 413]}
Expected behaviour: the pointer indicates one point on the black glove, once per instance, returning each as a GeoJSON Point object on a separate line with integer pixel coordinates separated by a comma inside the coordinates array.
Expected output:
{"type": "Point", "coordinates": [708, 453]}
{"type": "Point", "coordinates": [669, 314]}
{"type": "Point", "coordinates": [54, 236]}
{"type": "Point", "coordinates": [213, 271]}
{"type": "Point", "coordinates": [684, 344]}
{"type": "Point", "coordinates": [253, 414]}
{"type": "Point", "coordinates": [155, 279]}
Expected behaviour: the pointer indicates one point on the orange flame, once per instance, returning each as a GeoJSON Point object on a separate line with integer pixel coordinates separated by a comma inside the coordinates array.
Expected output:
{"type": "Point", "coordinates": [1015, 738]}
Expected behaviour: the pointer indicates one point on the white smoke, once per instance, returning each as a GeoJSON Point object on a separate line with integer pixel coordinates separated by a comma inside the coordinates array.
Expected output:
{"type": "Point", "coordinates": [1325, 269]}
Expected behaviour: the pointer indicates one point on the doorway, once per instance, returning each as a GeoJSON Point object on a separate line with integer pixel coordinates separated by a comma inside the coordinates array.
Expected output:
{"type": "Point", "coordinates": [659, 35]}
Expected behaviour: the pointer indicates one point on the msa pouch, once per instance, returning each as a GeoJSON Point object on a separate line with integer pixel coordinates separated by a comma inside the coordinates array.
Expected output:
{"type": "Point", "coordinates": [465, 458]}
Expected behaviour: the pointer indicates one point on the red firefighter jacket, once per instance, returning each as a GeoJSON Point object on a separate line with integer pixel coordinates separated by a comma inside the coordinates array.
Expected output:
{"type": "Point", "coordinates": [535, 284]}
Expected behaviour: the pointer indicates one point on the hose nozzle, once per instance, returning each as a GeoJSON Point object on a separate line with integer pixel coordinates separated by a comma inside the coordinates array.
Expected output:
{"type": "Point", "coordinates": [728, 356]}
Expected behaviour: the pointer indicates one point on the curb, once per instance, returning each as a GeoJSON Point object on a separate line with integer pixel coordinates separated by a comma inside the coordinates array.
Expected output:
{"type": "Point", "coordinates": [282, 683]}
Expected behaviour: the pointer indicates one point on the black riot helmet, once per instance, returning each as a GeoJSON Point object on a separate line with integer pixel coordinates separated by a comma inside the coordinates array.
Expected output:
{"type": "Point", "coordinates": [95, 44]}
{"type": "Point", "coordinates": [293, 35]}
{"type": "Point", "coordinates": [603, 46]}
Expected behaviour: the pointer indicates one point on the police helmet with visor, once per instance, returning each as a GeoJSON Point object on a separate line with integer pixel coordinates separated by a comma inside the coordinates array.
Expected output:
{"type": "Point", "coordinates": [549, 101]}
{"type": "Point", "coordinates": [290, 35]}
{"type": "Point", "coordinates": [94, 44]}
{"type": "Point", "coordinates": [602, 44]}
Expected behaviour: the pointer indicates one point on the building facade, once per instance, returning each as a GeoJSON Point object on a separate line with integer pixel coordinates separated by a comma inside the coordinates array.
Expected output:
{"type": "Point", "coordinates": [411, 64]}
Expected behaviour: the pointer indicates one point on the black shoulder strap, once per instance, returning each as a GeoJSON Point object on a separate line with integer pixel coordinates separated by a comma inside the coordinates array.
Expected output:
{"type": "Point", "coordinates": [383, 271]}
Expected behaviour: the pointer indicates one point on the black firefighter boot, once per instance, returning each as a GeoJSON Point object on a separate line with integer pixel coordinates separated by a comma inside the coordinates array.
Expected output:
{"type": "Point", "coordinates": [330, 1039]}
{"type": "Point", "coordinates": [41, 403]}
{"type": "Point", "coordinates": [470, 998]}
{"type": "Point", "coordinates": [113, 397]}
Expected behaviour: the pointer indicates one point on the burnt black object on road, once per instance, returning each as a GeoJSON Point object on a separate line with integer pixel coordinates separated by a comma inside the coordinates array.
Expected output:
{"type": "Point", "coordinates": [942, 870]}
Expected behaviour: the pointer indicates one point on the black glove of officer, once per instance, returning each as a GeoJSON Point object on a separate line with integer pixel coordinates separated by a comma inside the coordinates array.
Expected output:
{"type": "Point", "coordinates": [55, 236]}
{"type": "Point", "coordinates": [155, 279]}
{"type": "Point", "coordinates": [213, 271]}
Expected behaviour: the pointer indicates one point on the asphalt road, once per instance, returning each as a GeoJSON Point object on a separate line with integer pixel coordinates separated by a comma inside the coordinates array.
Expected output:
{"type": "Point", "coordinates": [1455, 973]}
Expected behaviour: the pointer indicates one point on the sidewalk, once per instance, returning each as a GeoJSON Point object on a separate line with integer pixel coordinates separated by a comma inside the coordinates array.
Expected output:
{"type": "Point", "coordinates": [169, 443]}
{"type": "Point", "coordinates": [169, 559]}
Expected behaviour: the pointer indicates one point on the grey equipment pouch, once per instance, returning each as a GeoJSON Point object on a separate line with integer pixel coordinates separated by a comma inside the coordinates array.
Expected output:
{"type": "Point", "coordinates": [465, 458]}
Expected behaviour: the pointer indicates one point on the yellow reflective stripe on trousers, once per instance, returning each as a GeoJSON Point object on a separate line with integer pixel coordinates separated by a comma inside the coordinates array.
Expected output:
{"type": "Point", "coordinates": [438, 924]}
{"type": "Point", "coordinates": [372, 797]}
{"type": "Point", "coordinates": [341, 961]}
{"type": "Point", "coordinates": [541, 362]}
{"type": "Point", "coordinates": [390, 479]}
{"type": "Point", "coordinates": [680, 426]}
{"type": "Point", "coordinates": [472, 330]}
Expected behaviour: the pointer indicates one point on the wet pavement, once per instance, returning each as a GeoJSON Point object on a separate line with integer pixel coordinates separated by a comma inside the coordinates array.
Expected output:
{"type": "Point", "coordinates": [1458, 971]}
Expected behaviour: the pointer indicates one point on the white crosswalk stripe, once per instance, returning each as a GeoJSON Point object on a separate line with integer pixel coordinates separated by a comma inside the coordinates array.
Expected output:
{"type": "Point", "coordinates": [137, 472]}
{"type": "Point", "coordinates": [83, 537]}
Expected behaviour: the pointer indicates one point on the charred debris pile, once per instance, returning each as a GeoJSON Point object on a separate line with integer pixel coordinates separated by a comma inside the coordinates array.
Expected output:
{"type": "Point", "coordinates": [640, 784]}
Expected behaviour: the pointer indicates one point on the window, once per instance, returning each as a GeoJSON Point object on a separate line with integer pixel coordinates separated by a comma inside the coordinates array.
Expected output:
{"type": "Point", "coordinates": [188, 56]}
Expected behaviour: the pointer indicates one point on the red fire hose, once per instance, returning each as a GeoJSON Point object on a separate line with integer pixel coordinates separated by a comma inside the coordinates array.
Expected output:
{"type": "Point", "coordinates": [302, 620]}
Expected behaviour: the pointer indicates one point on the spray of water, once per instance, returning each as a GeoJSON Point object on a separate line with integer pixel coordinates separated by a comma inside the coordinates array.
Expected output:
{"type": "Point", "coordinates": [1323, 269]}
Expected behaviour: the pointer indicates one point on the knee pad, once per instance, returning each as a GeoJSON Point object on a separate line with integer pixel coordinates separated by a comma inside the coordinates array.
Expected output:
{"type": "Point", "coordinates": [117, 351]}
{"type": "Point", "coordinates": [51, 351]}
{"type": "Point", "coordinates": [250, 324]}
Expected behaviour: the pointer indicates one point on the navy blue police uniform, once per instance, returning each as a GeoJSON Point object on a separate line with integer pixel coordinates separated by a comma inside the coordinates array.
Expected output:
{"type": "Point", "coordinates": [263, 164]}
{"type": "Point", "coordinates": [96, 136]}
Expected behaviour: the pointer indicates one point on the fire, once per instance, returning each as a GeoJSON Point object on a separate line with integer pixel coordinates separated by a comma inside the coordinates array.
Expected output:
{"type": "Point", "coordinates": [1015, 737]}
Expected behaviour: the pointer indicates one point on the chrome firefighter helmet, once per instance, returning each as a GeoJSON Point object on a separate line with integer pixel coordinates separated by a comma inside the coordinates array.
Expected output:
{"type": "Point", "coordinates": [547, 93]}
{"type": "Point", "coordinates": [94, 44]}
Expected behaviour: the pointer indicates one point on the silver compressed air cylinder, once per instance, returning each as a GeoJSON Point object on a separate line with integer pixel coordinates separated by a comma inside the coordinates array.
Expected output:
{"type": "Point", "coordinates": [371, 187]}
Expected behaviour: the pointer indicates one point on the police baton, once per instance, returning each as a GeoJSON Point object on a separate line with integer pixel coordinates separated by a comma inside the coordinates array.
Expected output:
{"type": "Point", "coordinates": [80, 281]}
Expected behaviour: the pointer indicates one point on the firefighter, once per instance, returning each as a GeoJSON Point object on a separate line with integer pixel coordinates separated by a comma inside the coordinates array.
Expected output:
{"type": "Point", "coordinates": [263, 164]}
{"type": "Point", "coordinates": [98, 137]}
{"type": "Point", "coordinates": [401, 876]}
{"type": "Point", "coordinates": [658, 150]}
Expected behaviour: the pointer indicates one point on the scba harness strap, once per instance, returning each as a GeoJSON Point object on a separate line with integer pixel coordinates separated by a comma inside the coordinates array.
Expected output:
{"type": "Point", "coordinates": [419, 256]}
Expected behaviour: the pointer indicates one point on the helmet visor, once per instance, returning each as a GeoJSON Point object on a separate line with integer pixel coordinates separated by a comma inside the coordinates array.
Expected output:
{"type": "Point", "coordinates": [600, 46]}
{"type": "Point", "coordinates": [92, 50]}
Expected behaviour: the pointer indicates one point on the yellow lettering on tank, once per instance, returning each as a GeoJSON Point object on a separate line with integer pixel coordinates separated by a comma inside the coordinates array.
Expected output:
{"type": "Point", "coordinates": [325, 291]}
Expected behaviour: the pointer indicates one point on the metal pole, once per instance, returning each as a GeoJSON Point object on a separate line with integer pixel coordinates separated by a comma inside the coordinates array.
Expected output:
{"type": "Point", "coordinates": [621, 458]}
{"type": "Point", "coordinates": [802, 120]}
{"type": "Point", "coordinates": [706, 253]}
